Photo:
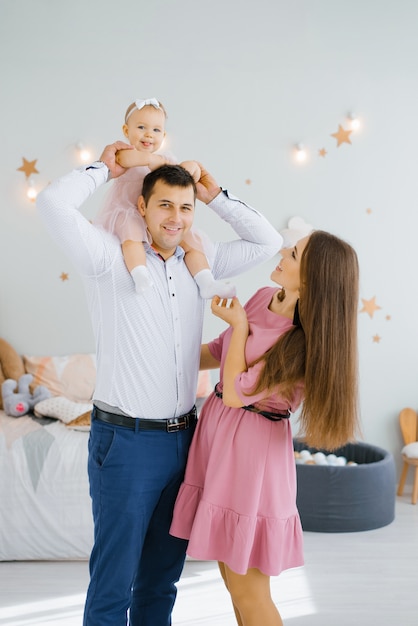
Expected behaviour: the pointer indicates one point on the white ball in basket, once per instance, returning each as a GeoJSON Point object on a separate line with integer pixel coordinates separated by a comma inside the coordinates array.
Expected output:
{"type": "Point", "coordinates": [305, 455]}
{"type": "Point", "coordinates": [332, 459]}
{"type": "Point", "coordinates": [320, 458]}
{"type": "Point", "coordinates": [341, 460]}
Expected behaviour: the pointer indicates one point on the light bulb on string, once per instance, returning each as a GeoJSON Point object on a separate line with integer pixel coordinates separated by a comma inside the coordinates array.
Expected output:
{"type": "Point", "coordinates": [355, 123]}
{"type": "Point", "coordinates": [31, 192]}
{"type": "Point", "coordinates": [301, 154]}
{"type": "Point", "coordinates": [83, 152]}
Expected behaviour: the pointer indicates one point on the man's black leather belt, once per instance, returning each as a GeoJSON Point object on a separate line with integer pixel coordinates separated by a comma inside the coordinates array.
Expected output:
{"type": "Point", "coordinates": [171, 425]}
{"type": "Point", "coordinates": [273, 417]}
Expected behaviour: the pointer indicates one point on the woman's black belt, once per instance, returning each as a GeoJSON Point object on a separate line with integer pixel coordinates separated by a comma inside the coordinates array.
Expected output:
{"type": "Point", "coordinates": [274, 417]}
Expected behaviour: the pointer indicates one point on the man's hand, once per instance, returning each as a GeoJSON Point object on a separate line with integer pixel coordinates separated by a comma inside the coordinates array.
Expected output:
{"type": "Point", "coordinates": [108, 157]}
{"type": "Point", "coordinates": [207, 187]}
{"type": "Point", "coordinates": [129, 158]}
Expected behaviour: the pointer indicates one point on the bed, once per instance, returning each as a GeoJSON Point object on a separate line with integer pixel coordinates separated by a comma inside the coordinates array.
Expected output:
{"type": "Point", "coordinates": [45, 510]}
{"type": "Point", "coordinates": [45, 507]}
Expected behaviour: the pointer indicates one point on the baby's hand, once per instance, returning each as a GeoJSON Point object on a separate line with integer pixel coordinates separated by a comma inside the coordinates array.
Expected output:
{"type": "Point", "coordinates": [234, 314]}
{"type": "Point", "coordinates": [131, 158]}
{"type": "Point", "coordinates": [156, 160]}
{"type": "Point", "coordinates": [193, 168]}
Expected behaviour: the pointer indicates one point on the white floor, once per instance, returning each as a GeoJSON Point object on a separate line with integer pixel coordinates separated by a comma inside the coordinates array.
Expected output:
{"type": "Point", "coordinates": [351, 579]}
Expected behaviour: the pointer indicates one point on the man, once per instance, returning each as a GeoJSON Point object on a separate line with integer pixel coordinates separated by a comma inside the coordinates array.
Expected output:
{"type": "Point", "coordinates": [148, 348]}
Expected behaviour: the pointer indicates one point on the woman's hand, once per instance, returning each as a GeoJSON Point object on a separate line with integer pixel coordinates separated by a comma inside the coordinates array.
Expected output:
{"type": "Point", "coordinates": [235, 362]}
{"type": "Point", "coordinates": [234, 314]}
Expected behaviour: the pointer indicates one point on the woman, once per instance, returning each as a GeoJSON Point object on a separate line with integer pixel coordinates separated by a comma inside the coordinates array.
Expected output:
{"type": "Point", "coordinates": [237, 504]}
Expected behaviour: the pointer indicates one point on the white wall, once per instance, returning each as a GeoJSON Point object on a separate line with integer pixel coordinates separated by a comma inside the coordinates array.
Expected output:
{"type": "Point", "coordinates": [242, 83]}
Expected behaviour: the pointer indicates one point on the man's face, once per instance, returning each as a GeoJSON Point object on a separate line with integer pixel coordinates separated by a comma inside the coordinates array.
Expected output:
{"type": "Point", "coordinates": [169, 216]}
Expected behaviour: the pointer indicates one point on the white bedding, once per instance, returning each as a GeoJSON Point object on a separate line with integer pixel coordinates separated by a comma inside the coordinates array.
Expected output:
{"type": "Point", "coordinates": [45, 507]}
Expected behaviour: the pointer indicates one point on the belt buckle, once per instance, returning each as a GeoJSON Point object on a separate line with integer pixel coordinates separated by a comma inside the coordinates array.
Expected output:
{"type": "Point", "coordinates": [175, 425]}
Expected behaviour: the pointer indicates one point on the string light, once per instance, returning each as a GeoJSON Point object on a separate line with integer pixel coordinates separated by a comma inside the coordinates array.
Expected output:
{"type": "Point", "coordinates": [301, 154]}
{"type": "Point", "coordinates": [83, 152]}
{"type": "Point", "coordinates": [31, 192]}
{"type": "Point", "coordinates": [354, 121]}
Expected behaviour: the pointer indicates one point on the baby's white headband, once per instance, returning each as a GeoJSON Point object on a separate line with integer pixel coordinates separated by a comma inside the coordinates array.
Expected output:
{"type": "Point", "coordinates": [140, 104]}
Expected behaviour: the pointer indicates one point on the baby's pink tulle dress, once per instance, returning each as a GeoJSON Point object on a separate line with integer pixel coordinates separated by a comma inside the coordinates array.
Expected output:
{"type": "Point", "coordinates": [119, 214]}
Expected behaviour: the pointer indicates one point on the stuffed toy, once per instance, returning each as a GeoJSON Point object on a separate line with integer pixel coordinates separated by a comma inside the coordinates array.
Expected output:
{"type": "Point", "coordinates": [296, 229]}
{"type": "Point", "coordinates": [21, 402]}
{"type": "Point", "coordinates": [11, 364]}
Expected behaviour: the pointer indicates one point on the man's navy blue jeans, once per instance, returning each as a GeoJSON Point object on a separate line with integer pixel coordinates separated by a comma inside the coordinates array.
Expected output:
{"type": "Point", "coordinates": [135, 563]}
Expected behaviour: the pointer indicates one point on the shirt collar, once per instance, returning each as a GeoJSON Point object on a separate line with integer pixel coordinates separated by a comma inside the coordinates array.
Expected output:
{"type": "Point", "coordinates": [178, 253]}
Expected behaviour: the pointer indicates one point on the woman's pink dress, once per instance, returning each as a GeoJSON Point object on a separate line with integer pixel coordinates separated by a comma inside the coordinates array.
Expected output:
{"type": "Point", "coordinates": [237, 503]}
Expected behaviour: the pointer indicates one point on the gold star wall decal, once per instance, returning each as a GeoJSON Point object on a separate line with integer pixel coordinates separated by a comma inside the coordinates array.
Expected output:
{"type": "Point", "coordinates": [29, 167]}
{"type": "Point", "coordinates": [64, 276]}
{"type": "Point", "coordinates": [376, 338]}
{"type": "Point", "coordinates": [322, 152]}
{"type": "Point", "coordinates": [342, 135]}
{"type": "Point", "coordinates": [369, 306]}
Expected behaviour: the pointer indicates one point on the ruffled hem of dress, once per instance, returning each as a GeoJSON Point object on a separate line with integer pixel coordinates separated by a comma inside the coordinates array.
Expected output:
{"type": "Point", "coordinates": [218, 534]}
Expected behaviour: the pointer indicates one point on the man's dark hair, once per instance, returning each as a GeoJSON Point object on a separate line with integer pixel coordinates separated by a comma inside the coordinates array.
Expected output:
{"type": "Point", "coordinates": [173, 175]}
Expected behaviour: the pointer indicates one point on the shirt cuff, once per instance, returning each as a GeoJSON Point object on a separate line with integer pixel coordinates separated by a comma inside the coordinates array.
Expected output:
{"type": "Point", "coordinates": [223, 203]}
{"type": "Point", "coordinates": [98, 171]}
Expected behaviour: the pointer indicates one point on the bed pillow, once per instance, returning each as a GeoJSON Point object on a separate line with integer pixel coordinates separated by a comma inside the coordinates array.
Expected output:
{"type": "Point", "coordinates": [61, 409]}
{"type": "Point", "coordinates": [77, 414]}
{"type": "Point", "coordinates": [72, 376]}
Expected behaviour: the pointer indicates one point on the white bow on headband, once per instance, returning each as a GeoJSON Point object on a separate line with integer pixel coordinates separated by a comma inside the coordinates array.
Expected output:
{"type": "Point", "coordinates": [140, 104]}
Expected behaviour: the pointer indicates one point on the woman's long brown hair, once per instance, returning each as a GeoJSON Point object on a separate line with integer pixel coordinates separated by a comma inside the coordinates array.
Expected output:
{"type": "Point", "coordinates": [322, 353]}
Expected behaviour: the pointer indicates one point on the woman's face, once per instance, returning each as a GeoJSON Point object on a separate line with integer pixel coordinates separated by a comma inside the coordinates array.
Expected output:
{"type": "Point", "coordinates": [287, 273]}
